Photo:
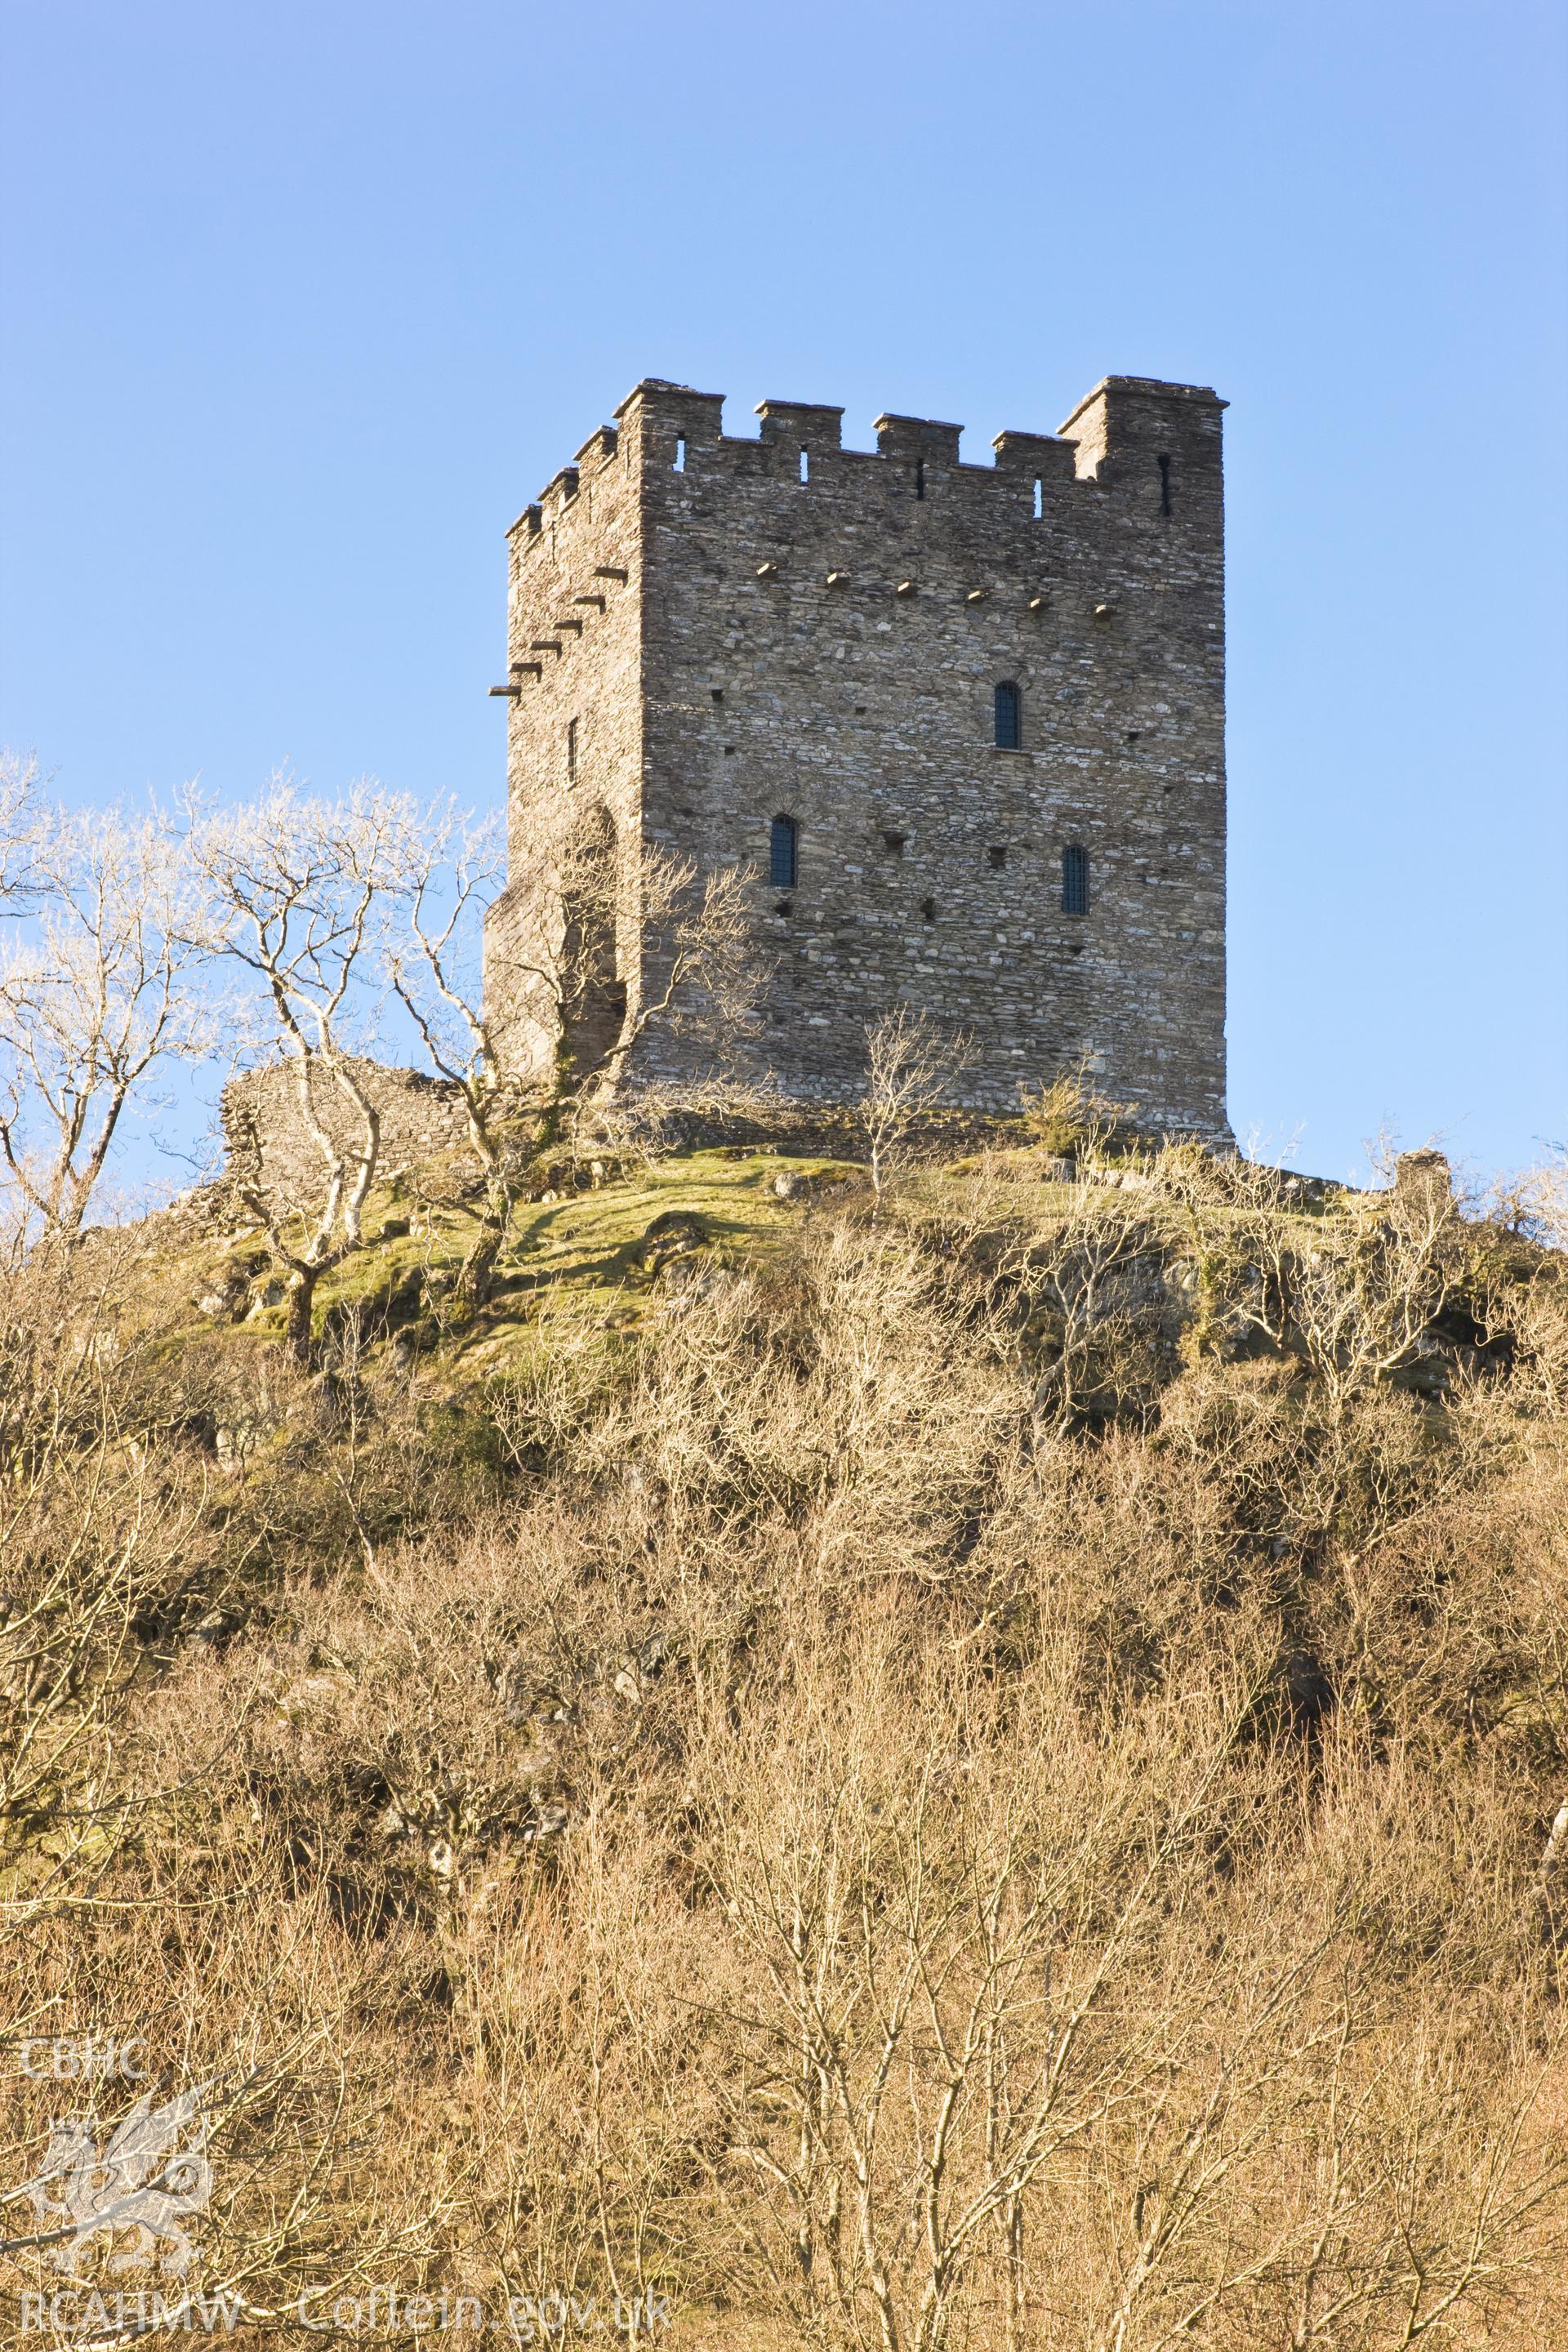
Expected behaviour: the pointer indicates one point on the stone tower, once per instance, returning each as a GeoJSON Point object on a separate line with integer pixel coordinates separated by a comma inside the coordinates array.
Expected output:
{"type": "Point", "coordinates": [967, 722]}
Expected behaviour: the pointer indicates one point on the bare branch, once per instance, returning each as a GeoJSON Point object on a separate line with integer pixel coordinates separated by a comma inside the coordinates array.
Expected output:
{"type": "Point", "coordinates": [912, 1066]}
{"type": "Point", "coordinates": [104, 984]}
{"type": "Point", "coordinates": [301, 893]}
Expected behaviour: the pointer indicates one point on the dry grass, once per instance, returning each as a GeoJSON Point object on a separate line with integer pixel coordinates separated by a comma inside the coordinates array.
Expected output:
{"type": "Point", "coordinates": [979, 1779]}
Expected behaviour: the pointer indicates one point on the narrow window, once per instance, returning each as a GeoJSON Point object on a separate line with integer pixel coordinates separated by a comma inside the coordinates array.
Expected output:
{"type": "Point", "coordinates": [1006, 717]}
{"type": "Point", "coordinates": [1164, 484]}
{"type": "Point", "coordinates": [920, 477]}
{"type": "Point", "coordinates": [997, 853]}
{"type": "Point", "coordinates": [805, 466]}
{"type": "Point", "coordinates": [1039, 498]}
{"type": "Point", "coordinates": [680, 453]}
{"type": "Point", "coordinates": [927, 908]}
{"type": "Point", "coordinates": [782, 843]}
{"type": "Point", "coordinates": [1075, 881]}
{"type": "Point", "coordinates": [894, 843]}
{"type": "Point", "coordinates": [570, 751]}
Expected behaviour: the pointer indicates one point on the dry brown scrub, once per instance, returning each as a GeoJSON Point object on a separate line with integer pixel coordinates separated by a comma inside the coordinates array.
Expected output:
{"type": "Point", "coordinates": [989, 1785]}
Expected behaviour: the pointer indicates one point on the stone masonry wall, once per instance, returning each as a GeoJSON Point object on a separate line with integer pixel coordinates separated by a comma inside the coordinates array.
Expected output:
{"type": "Point", "coordinates": [820, 637]}
{"type": "Point", "coordinates": [265, 1137]}
{"type": "Point", "coordinates": [575, 740]}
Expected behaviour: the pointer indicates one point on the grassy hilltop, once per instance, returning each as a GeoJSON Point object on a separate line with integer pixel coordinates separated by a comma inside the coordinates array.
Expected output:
{"type": "Point", "coordinates": [979, 1766]}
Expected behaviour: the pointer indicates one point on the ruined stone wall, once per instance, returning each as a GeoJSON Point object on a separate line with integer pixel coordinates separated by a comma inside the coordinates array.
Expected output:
{"type": "Point", "coordinates": [266, 1138]}
{"type": "Point", "coordinates": [818, 633]}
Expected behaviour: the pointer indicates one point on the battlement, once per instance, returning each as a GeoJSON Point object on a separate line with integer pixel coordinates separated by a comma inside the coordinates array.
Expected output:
{"type": "Point", "coordinates": [1121, 416]}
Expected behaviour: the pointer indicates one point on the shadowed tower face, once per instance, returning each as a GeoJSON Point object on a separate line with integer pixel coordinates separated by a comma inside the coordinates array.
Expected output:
{"type": "Point", "coordinates": [966, 723]}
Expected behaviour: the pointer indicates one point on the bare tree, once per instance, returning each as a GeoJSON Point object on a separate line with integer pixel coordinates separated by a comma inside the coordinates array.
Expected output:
{"type": "Point", "coordinates": [910, 1067]}
{"type": "Point", "coordinates": [301, 889]}
{"type": "Point", "coordinates": [458, 867]}
{"type": "Point", "coordinates": [102, 986]}
{"type": "Point", "coordinates": [703, 971]}
{"type": "Point", "coordinates": [556, 954]}
{"type": "Point", "coordinates": [700, 972]}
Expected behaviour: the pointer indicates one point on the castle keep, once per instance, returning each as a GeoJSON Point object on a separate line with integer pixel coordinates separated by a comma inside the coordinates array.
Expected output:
{"type": "Point", "coordinates": [967, 722]}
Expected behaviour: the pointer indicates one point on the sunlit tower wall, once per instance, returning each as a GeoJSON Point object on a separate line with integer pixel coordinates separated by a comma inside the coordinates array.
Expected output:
{"type": "Point", "coordinates": [965, 721]}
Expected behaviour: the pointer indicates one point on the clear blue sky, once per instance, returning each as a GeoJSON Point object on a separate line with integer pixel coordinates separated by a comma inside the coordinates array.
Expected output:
{"type": "Point", "coordinates": [302, 303]}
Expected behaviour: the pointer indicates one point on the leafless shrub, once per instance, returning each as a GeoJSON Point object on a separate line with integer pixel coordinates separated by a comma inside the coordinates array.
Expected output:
{"type": "Point", "coordinates": [652, 1119]}
{"type": "Point", "coordinates": [1069, 1116]}
{"type": "Point", "coordinates": [1355, 1294]}
{"type": "Point", "coordinates": [1092, 1286]}
{"type": "Point", "coordinates": [911, 1068]}
{"type": "Point", "coordinates": [801, 1400]}
{"type": "Point", "coordinates": [98, 1535]}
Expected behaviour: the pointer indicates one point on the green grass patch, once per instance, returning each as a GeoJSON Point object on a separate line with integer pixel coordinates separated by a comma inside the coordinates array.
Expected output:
{"type": "Point", "coordinates": [580, 1256]}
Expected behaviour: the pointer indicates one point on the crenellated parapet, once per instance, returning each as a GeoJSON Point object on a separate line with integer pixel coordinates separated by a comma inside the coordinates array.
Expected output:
{"type": "Point", "coordinates": [1115, 437]}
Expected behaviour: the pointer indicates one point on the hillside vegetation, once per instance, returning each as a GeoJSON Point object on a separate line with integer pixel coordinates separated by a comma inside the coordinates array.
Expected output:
{"type": "Point", "coordinates": [983, 1765]}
